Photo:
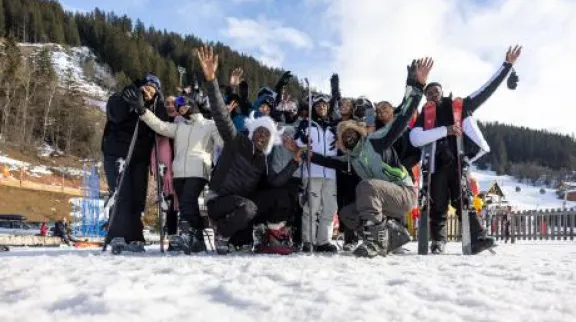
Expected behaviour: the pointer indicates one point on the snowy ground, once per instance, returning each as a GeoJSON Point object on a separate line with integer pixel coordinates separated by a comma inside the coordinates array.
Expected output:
{"type": "Point", "coordinates": [523, 282]}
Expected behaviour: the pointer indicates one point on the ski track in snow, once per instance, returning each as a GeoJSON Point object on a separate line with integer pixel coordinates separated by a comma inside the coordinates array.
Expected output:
{"type": "Point", "coordinates": [523, 282]}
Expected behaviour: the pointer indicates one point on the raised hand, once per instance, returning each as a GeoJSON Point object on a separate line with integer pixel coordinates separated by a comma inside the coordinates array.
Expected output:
{"type": "Point", "coordinates": [236, 76]}
{"type": "Point", "coordinates": [134, 97]}
{"type": "Point", "coordinates": [423, 67]}
{"type": "Point", "coordinates": [513, 53]}
{"type": "Point", "coordinates": [209, 62]}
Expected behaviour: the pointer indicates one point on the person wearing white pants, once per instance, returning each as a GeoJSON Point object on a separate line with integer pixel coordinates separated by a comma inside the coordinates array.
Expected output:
{"type": "Point", "coordinates": [322, 205]}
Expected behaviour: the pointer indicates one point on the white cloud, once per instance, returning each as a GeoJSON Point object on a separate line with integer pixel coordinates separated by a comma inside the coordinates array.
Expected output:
{"type": "Point", "coordinates": [266, 37]}
{"type": "Point", "coordinates": [468, 41]}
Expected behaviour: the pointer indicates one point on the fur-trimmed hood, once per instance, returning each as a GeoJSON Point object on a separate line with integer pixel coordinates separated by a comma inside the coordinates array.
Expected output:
{"type": "Point", "coordinates": [350, 124]}
{"type": "Point", "coordinates": [268, 123]}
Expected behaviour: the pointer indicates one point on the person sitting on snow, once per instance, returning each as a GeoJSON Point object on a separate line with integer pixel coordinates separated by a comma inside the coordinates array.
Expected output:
{"type": "Point", "coordinates": [242, 187]}
{"type": "Point", "coordinates": [386, 189]}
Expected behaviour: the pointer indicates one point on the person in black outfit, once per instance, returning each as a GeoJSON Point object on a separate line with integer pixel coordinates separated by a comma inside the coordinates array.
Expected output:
{"type": "Point", "coordinates": [242, 189]}
{"type": "Point", "coordinates": [445, 185]}
{"type": "Point", "coordinates": [120, 125]}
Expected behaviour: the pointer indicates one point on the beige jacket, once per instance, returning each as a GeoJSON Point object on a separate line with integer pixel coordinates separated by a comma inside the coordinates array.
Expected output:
{"type": "Point", "coordinates": [194, 142]}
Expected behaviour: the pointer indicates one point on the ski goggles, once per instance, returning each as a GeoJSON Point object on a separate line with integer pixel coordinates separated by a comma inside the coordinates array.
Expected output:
{"type": "Point", "coordinates": [320, 98]}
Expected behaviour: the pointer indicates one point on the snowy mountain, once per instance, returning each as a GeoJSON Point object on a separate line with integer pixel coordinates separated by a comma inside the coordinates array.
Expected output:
{"type": "Point", "coordinates": [79, 63]}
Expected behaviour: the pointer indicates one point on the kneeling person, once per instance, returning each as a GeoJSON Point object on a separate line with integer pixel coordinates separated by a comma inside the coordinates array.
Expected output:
{"type": "Point", "coordinates": [236, 199]}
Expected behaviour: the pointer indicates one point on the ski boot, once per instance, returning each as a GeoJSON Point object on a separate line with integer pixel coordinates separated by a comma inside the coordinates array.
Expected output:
{"type": "Point", "coordinates": [272, 239]}
{"type": "Point", "coordinates": [119, 245]}
{"type": "Point", "coordinates": [307, 247]}
{"type": "Point", "coordinates": [222, 244]}
{"type": "Point", "coordinates": [438, 247]}
{"type": "Point", "coordinates": [375, 241]}
{"type": "Point", "coordinates": [190, 240]}
{"type": "Point", "coordinates": [326, 248]}
{"type": "Point", "coordinates": [398, 236]}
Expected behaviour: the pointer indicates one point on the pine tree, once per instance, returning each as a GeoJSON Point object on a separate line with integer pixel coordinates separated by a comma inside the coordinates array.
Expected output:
{"type": "Point", "coordinates": [71, 31]}
{"type": "Point", "coordinates": [2, 20]}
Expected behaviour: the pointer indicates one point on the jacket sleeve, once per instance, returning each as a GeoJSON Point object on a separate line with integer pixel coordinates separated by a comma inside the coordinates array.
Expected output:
{"type": "Point", "coordinates": [116, 109]}
{"type": "Point", "coordinates": [419, 137]}
{"type": "Point", "coordinates": [216, 139]}
{"type": "Point", "coordinates": [279, 179]}
{"type": "Point", "coordinates": [220, 113]}
{"type": "Point", "coordinates": [390, 133]}
{"type": "Point", "coordinates": [473, 101]}
{"type": "Point", "coordinates": [330, 162]}
{"type": "Point", "coordinates": [160, 127]}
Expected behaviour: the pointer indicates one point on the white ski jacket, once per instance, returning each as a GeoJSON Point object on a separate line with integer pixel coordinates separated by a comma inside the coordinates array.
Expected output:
{"type": "Point", "coordinates": [194, 142]}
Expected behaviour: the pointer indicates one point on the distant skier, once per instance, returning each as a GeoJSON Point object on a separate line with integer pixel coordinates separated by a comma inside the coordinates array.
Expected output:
{"type": "Point", "coordinates": [242, 189]}
{"type": "Point", "coordinates": [120, 125]}
{"type": "Point", "coordinates": [445, 185]}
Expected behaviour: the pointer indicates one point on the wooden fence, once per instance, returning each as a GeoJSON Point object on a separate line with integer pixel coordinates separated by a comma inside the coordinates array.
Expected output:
{"type": "Point", "coordinates": [550, 224]}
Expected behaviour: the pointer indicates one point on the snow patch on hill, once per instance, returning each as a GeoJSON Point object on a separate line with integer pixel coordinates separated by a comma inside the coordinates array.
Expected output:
{"type": "Point", "coordinates": [71, 62]}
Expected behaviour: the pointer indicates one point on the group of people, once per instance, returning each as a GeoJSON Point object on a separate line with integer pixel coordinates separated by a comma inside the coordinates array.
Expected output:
{"type": "Point", "coordinates": [276, 175]}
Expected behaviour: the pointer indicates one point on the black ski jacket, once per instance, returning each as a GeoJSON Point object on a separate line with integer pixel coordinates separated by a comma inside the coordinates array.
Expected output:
{"type": "Point", "coordinates": [120, 125]}
{"type": "Point", "coordinates": [446, 145]}
{"type": "Point", "coordinates": [241, 169]}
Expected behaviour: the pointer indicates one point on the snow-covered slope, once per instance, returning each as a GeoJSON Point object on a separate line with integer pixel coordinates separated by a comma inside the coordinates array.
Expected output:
{"type": "Point", "coordinates": [523, 282]}
{"type": "Point", "coordinates": [71, 60]}
{"type": "Point", "coordinates": [528, 198]}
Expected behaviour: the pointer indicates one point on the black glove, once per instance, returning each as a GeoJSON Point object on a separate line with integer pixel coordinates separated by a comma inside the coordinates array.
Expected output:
{"type": "Point", "coordinates": [512, 81]}
{"type": "Point", "coordinates": [135, 99]}
{"type": "Point", "coordinates": [284, 79]}
{"type": "Point", "coordinates": [335, 86]}
{"type": "Point", "coordinates": [411, 79]}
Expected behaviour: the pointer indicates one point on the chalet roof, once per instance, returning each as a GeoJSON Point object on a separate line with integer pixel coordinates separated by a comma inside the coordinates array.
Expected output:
{"type": "Point", "coordinates": [493, 189]}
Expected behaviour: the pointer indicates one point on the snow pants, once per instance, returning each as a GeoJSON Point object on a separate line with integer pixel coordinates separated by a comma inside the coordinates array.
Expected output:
{"type": "Point", "coordinates": [319, 211]}
{"type": "Point", "coordinates": [444, 191]}
{"type": "Point", "coordinates": [131, 200]}
{"type": "Point", "coordinates": [188, 191]}
{"type": "Point", "coordinates": [377, 200]}
{"type": "Point", "coordinates": [236, 215]}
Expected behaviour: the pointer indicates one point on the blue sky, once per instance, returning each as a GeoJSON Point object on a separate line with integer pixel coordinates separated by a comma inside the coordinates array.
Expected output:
{"type": "Point", "coordinates": [279, 33]}
{"type": "Point", "coordinates": [370, 42]}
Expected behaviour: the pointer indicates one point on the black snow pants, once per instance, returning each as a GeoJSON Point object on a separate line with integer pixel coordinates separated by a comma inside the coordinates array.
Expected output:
{"type": "Point", "coordinates": [131, 200]}
{"type": "Point", "coordinates": [188, 191]}
{"type": "Point", "coordinates": [234, 216]}
{"type": "Point", "coordinates": [444, 191]}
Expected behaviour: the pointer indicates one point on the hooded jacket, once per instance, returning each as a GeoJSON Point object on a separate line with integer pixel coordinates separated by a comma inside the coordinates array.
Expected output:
{"type": "Point", "coordinates": [194, 142]}
{"type": "Point", "coordinates": [374, 156]}
{"type": "Point", "coordinates": [241, 168]}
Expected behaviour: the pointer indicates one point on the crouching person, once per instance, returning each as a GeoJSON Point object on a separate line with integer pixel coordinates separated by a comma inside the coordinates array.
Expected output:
{"type": "Point", "coordinates": [236, 200]}
{"type": "Point", "coordinates": [386, 191]}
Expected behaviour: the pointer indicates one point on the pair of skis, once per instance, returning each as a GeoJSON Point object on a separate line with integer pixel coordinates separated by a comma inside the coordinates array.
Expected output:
{"type": "Point", "coordinates": [428, 166]}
